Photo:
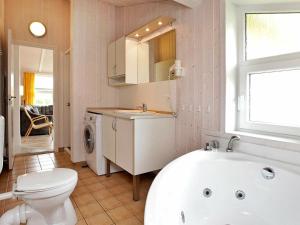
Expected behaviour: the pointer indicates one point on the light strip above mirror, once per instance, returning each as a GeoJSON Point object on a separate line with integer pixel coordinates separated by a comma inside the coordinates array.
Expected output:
{"type": "Point", "coordinates": [161, 23]}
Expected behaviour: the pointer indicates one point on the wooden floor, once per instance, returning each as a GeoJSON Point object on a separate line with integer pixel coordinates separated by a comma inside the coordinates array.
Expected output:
{"type": "Point", "coordinates": [36, 144]}
{"type": "Point", "coordinates": [98, 200]}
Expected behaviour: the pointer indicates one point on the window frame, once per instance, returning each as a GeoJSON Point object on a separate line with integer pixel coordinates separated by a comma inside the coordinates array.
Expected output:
{"type": "Point", "coordinates": [288, 61]}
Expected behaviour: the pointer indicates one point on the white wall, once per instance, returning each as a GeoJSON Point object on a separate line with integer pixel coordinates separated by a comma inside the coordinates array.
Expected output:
{"type": "Point", "coordinates": [92, 29]}
{"type": "Point", "coordinates": [280, 149]}
{"type": "Point", "coordinates": [198, 47]}
{"type": "Point", "coordinates": [95, 23]}
{"type": "Point", "coordinates": [201, 44]}
{"type": "Point", "coordinates": [158, 96]}
{"type": "Point", "coordinates": [56, 15]}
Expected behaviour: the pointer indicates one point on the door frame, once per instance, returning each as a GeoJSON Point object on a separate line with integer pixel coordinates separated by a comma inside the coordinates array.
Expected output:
{"type": "Point", "coordinates": [55, 84]}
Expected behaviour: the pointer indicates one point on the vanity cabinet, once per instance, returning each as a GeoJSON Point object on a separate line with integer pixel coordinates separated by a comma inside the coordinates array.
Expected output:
{"type": "Point", "coordinates": [139, 145]}
{"type": "Point", "coordinates": [122, 62]}
{"type": "Point", "coordinates": [108, 137]}
{"type": "Point", "coordinates": [125, 145]}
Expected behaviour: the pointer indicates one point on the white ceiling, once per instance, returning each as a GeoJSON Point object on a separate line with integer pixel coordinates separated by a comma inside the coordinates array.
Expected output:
{"type": "Point", "coordinates": [129, 2]}
{"type": "Point", "coordinates": [36, 60]}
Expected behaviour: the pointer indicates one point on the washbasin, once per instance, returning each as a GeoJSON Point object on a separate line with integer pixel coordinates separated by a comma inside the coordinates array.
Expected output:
{"type": "Point", "coordinates": [135, 112]}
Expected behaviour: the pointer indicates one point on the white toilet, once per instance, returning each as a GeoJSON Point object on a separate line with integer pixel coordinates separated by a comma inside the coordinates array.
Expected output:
{"type": "Point", "coordinates": [46, 196]}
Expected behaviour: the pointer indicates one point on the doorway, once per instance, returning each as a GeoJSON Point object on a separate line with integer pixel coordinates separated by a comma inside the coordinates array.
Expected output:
{"type": "Point", "coordinates": [35, 105]}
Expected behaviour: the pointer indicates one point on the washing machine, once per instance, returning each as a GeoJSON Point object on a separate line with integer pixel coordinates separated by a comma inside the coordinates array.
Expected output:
{"type": "Point", "coordinates": [93, 144]}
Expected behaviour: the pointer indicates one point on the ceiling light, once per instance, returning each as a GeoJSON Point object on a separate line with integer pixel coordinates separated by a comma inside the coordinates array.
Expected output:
{"type": "Point", "coordinates": [37, 29]}
{"type": "Point", "coordinates": [147, 29]}
{"type": "Point", "coordinates": [160, 23]}
{"type": "Point", "coordinates": [137, 35]}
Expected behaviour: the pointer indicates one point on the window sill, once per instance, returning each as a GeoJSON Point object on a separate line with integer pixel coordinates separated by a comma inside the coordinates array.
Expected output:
{"type": "Point", "coordinates": [288, 143]}
{"type": "Point", "coordinates": [269, 140]}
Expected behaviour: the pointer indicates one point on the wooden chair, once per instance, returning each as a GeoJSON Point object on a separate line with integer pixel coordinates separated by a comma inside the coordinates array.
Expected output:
{"type": "Point", "coordinates": [35, 126]}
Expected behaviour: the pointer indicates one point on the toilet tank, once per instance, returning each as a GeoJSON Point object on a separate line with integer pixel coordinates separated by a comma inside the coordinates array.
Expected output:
{"type": "Point", "coordinates": [2, 129]}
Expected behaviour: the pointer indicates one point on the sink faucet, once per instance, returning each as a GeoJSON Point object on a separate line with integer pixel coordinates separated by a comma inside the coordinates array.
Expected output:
{"type": "Point", "coordinates": [230, 143]}
{"type": "Point", "coordinates": [143, 107]}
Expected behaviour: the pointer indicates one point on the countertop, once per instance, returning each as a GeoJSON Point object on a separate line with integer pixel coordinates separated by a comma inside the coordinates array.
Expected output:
{"type": "Point", "coordinates": [131, 114]}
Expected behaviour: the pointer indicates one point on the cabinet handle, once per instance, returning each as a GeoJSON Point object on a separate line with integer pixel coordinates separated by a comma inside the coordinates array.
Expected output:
{"type": "Point", "coordinates": [115, 124]}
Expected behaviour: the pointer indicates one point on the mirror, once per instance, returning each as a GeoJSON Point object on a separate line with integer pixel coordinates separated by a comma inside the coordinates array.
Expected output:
{"type": "Point", "coordinates": [155, 57]}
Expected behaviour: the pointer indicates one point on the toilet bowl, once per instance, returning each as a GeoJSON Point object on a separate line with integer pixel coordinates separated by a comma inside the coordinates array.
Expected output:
{"type": "Point", "coordinates": [46, 196]}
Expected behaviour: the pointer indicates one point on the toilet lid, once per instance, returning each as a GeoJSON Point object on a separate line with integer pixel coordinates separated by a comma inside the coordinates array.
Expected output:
{"type": "Point", "coordinates": [44, 180]}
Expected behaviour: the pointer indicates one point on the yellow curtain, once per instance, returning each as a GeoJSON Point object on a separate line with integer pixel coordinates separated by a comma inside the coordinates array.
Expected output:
{"type": "Point", "coordinates": [29, 88]}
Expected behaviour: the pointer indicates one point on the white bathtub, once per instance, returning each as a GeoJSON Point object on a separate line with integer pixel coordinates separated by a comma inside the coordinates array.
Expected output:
{"type": "Point", "coordinates": [208, 188]}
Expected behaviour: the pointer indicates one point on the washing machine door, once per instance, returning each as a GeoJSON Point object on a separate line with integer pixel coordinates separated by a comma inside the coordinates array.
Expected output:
{"type": "Point", "coordinates": [89, 139]}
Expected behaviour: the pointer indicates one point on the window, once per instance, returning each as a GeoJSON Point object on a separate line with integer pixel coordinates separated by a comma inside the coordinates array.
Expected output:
{"type": "Point", "coordinates": [43, 89]}
{"type": "Point", "coordinates": [271, 34]}
{"type": "Point", "coordinates": [269, 73]}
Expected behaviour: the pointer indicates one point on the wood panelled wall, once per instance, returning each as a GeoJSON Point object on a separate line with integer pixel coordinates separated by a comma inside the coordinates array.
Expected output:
{"type": "Point", "coordinates": [95, 24]}
{"type": "Point", "coordinates": [55, 14]}
{"type": "Point", "coordinates": [93, 28]}
{"type": "Point", "coordinates": [198, 46]}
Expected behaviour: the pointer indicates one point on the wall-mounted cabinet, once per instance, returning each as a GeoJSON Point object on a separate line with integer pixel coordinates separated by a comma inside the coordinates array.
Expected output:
{"type": "Point", "coordinates": [143, 56]}
{"type": "Point", "coordinates": [122, 62]}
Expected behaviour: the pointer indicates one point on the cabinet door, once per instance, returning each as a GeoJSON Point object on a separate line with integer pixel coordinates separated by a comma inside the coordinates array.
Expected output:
{"type": "Point", "coordinates": [111, 60]}
{"type": "Point", "coordinates": [124, 144]}
{"type": "Point", "coordinates": [131, 61]}
{"type": "Point", "coordinates": [120, 56]}
{"type": "Point", "coordinates": [109, 138]}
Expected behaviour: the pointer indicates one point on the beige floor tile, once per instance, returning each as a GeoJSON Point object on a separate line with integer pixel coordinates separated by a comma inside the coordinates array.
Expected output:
{"type": "Point", "coordinates": [90, 180]}
{"type": "Point", "coordinates": [78, 214]}
{"type": "Point", "coordinates": [84, 200]}
{"type": "Point", "coordinates": [119, 189]}
{"type": "Point", "coordinates": [81, 222]}
{"type": "Point", "coordinates": [86, 173]}
{"type": "Point", "coordinates": [136, 207]}
{"type": "Point", "coordinates": [110, 203]}
{"type": "Point", "coordinates": [119, 214]}
{"type": "Point", "coordinates": [97, 200]}
{"type": "Point", "coordinates": [109, 183]}
{"type": "Point", "coordinates": [91, 210]}
{"type": "Point", "coordinates": [102, 194]}
{"type": "Point", "coordinates": [100, 219]}
{"type": "Point", "coordinates": [140, 216]}
{"type": "Point", "coordinates": [102, 178]}
{"type": "Point", "coordinates": [125, 198]}
{"type": "Point", "coordinates": [95, 187]}
{"type": "Point", "coordinates": [130, 221]}
{"type": "Point", "coordinates": [80, 191]}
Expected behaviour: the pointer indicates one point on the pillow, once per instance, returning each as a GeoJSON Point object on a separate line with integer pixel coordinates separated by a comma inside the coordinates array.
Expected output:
{"type": "Point", "coordinates": [35, 110]}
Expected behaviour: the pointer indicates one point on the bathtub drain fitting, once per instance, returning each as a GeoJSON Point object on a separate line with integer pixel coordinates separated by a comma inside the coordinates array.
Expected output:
{"type": "Point", "coordinates": [182, 217]}
{"type": "Point", "coordinates": [207, 192]}
{"type": "Point", "coordinates": [240, 195]}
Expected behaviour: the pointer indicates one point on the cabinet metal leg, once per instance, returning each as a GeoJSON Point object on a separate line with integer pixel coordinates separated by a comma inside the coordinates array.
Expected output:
{"type": "Point", "coordinates": [107, 168]}
{"type": "Point", "coordinates": [136, 187]}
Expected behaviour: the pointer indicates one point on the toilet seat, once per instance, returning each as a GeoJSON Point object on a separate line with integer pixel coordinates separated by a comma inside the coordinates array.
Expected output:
{"type": "Point", "coordinates": [45, 180]}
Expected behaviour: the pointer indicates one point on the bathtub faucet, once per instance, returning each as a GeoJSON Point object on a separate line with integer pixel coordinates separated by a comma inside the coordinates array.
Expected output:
{"type": "Point", "coordinates": [230, 143]}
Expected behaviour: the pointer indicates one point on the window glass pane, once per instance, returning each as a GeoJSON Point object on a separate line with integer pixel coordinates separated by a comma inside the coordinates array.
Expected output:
{"type": "Point", "coordinates": [43, 81]}
{"type": "Point", "coordinates": [274, 97]}
{"type": "Point", "coordinates": [43, 90]}
{"type": "Point", "coordinates": [271, 34]}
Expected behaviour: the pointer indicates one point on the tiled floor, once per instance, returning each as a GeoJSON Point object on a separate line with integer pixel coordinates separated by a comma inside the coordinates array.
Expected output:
{"type": "Point", "coordinates": [98, 200]}
{"type": "Point", "coordinates": [37, 144]}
